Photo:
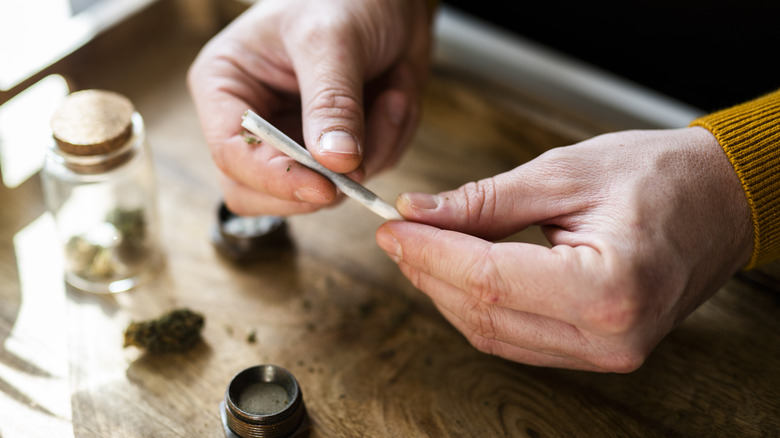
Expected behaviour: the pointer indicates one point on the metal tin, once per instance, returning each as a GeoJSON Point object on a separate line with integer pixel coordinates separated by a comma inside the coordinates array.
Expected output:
{"type": "Point", "coordinates": [264, 401]}
{"type": "Point", "coordinates": [249, 237]}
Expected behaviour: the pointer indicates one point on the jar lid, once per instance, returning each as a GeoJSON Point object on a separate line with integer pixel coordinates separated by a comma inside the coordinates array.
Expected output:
{"type": "Point", "coordinates": [92, 122]}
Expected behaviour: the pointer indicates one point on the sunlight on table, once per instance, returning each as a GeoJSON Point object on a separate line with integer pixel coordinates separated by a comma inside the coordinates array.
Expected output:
{"type": "Point", "coordinates": [24, 129]}
{"type": "Point", "coordinates": [37, 343]}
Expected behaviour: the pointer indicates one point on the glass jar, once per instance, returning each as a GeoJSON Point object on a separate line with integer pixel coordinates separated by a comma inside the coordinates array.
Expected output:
{"type": "Point", "coordinates": [99, 184]}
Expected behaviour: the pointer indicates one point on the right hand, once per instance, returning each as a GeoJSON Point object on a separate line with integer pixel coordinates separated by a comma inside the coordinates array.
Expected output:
{"type": "Point", "coordinates": [643, 226]}
{"type": "Point", "coordinates": [340, 76]}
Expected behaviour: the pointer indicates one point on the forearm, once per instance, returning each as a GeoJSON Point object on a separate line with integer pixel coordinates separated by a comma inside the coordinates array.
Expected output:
{"type": "Point", "coordinates": [750, 135]}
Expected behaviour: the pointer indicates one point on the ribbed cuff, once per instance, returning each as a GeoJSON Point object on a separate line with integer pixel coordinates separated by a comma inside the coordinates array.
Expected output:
{"type": "Point", "coordinates": [750, 135]}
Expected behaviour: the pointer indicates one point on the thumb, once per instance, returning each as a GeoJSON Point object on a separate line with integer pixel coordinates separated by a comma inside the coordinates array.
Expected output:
{"type": "Point", "coordinates": [330, 78]}
{"type": "Point", "coordinates": [491, 208]}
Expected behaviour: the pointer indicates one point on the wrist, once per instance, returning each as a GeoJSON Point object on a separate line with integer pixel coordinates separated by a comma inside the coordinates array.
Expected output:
{"type": "Point", "coordinates": [750, 136]}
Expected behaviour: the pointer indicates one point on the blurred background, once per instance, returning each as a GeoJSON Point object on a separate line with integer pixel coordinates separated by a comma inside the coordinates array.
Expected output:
{"type": "Point", "coordinates": [650, 63]}
{"type": "Point", "coordinates": [707, 53]}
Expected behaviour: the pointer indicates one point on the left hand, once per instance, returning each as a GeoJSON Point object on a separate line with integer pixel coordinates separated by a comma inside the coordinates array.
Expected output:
{"type": "Point", "coordinates": [343, 77]}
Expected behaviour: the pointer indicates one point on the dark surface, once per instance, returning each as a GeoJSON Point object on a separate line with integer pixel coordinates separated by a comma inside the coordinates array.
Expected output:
{"type": "Point", "coordinates": [709, 54]}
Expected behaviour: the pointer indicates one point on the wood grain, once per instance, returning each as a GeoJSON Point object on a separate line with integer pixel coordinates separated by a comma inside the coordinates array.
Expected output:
{"type": "Point", "coordinates": [372, 355]}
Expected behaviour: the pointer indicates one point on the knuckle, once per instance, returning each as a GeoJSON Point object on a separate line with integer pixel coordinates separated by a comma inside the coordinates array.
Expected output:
{"type": "Point", "coordinates": [482, 344]}
{"type": "Point", "coordinates": [614, 316]}
{"type": "Point", "coordinates": [617, 316]}
{"type": "Point", "coordinates": [483, 309]}
{"type": "Point", "coordinates": [334, 101]}
{"type": "Point", "coordinates": [625, 360]}
{"type": "Point", "coordinates": [479, 200]}
{"type": "Point", "coordinates": [616, 310]}
{"type": "Point", "coordinates": [305, 33]}
{"type": "Point", "coordinates": [483, 281]}
{"type": "Point", "coordinates": [480, 320]}
{"type": "Point", "coordinates": [310, 30]}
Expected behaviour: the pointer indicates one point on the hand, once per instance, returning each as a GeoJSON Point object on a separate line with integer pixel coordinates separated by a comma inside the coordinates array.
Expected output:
{"type": "Point", "coordinates": [644, 227]}
{"type": "Point", "coordinates": [342, 77]}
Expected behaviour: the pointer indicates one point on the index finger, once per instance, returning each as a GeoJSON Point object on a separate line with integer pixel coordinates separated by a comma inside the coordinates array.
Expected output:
{"type": "Point", "coordinates": [552, 282]}
{"type": "Point", "coordinates": [222, 92]}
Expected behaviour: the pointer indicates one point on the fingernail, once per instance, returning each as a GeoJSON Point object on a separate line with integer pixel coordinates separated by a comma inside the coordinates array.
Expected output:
{"type": "Point", "coordinates": [389, 244]}
{"type": "Point", "coordinates": [338, 142]}
{"type": "Point", "coordinates": [308, 194]}
{"type": "Point", "coordinates": [421, 201]}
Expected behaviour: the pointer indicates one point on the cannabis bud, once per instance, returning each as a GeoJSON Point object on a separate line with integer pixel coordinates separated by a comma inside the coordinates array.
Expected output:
{"type": "Point", "coordinates": [177, 330]}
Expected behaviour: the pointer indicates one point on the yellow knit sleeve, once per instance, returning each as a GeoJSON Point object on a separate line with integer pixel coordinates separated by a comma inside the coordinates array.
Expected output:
{"type": "Point", "coordinates": [750, 135]}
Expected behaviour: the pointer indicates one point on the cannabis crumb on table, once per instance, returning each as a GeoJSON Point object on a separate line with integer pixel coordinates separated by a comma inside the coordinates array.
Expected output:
{"type": "Point", "coordinates": [177, 330]}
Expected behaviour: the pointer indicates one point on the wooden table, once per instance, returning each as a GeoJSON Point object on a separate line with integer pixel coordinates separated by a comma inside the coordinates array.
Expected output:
{"type": "Point", "coordinates": [372, 355]}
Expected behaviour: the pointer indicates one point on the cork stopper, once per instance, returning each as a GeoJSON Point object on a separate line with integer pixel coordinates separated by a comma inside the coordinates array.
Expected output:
{"type": "Point", "coordinates": [92, 122]}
